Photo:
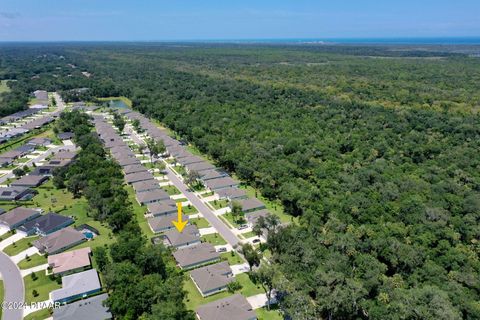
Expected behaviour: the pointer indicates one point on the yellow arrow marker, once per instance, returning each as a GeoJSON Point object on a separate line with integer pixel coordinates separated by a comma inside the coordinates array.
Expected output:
{"type": "Point", "coordinates": [179, 224]}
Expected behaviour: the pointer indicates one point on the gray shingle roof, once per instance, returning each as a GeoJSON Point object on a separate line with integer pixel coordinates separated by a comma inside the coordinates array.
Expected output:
{"type": "Point", "coordinates": [196, 255]}
{"type": "Point", "coordinates": [188, 236]}
{"type": "Point", "coordinates": [91, 309]}
{"type": "Point", "coordinates": [76, 284]}
{"type": "Point", "coordinates": [235, 307]}
{"type": "Point", "coordinates": [212, 277]}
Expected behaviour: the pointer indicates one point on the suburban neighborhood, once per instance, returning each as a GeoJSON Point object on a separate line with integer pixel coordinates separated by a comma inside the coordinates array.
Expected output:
{"type": "Point", "coordinates": [47, 235]}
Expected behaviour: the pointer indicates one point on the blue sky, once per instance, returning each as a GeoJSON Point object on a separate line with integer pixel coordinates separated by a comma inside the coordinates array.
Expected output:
{"type": "Point", "coordinates": [52, 20]}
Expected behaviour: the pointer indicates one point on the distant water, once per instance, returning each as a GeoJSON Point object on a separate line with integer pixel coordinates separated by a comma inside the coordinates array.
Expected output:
{"type": "Point", "coordinates": [117, 103]}
{"type": "Point", "coordinates": [405, 41]}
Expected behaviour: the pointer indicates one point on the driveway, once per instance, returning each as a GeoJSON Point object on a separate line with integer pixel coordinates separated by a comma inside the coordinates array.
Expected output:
{"type": "Point", "coordinates": [14, 287]}
{"type": "Point", "coordinates": [214, 221]}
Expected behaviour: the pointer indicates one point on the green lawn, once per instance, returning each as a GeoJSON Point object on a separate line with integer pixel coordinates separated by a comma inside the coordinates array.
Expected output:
{"type": "Point", "coordinates": [3, 86]}
{"type": "Point", "coordinates": [19, 246]}
{"type": "Point", "coordinates": [171, 190]}
{"type": "Point", "coordinates": [39, 315]}
{"type": "Point", "coordinates": [181, 200]}
{"type": "Point", "coordinates": [33, 261]}
{"type": "Point", "coordinates": [181, 170]}
{"type": "Point", "coordinates": [248, 287]}
{"type": "Point", "coordinates": [43, 285]}
{"type": "Point", "coordinates": [272, 314]}
{"type": "Point", "coordinates": [139, 213]}
{"type": "Point", "coordinates": [189, 209]}
{"type": "Point", "coordinates": [51, 199]}
{"type": "Point", "coordinates": [207, 194]}
{"type": "Point", "coordinates": [232, 259]}
{"type": "Point", "coordinates": [219, 204]}
{"type": "Point", "coordinates": [200, 222]}
{"type": "Point", "coordinates": [194, 298]}
{"type": "Point", "coordinates": [249, 234]}
{"type": "Point", "coordinates": [228, 216]}
{"type": "Point", "coordinates": [214, 239]}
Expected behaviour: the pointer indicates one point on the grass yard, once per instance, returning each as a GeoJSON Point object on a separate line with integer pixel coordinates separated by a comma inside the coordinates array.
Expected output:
{"type": "Point", "coordinates": [19, 246]}
{"type": "Point", "coordinates": [207, 194]}
{"type": "Point", "coordinates": [272, 314]}
{"type": "Point", "coordinates": [194, 298]}
{"type": "Point", "coordinates": [181, 170]}
{"type": "Point", "coordinates": [139, 212]}
{"type": "Point", "coordinates": [248, 287]}
{"type": "Point", "coordinates": [200, 222]}
{"type": "Point", "coordinates": [232, 257]}
{"type": "Point", "coordinates": [189, 209]}
{"type": "Point", "coordinates": [181, 200]}
{"type": "Point", "coordinates": [219, 204]}
{"type": "Point", "coordinates": [50, 198]}
{"type": "Point", "coordinates": [39, 315]}
{"type": "Point", "coordinates": [249, 234]}
{"type": "Point", "coordinates": [3, 86]}
{"type": "Point", "coordinates": [43, 285]}
{"type": "Point", "coordinates": [33, 261]}
{"type": "Point", "coordinates": [214, 239]}
{"type": "Point", "coordinates": [228, 216]}
{"type": "Point", "coordinates": [171, 190]}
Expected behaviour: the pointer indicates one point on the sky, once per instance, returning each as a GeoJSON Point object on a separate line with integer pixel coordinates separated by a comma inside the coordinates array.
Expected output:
{"type": "Point", "coordinates": [150, 20]}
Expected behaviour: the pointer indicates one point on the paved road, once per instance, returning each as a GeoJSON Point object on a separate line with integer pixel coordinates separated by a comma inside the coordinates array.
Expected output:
{"type": "Point", "coordinates": [218, 224]}
{"type": "Point", "coordinates": [14, 288]}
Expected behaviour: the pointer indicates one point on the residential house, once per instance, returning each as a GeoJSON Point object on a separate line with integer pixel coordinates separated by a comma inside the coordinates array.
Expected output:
{"type": "Point", "coordinates": [162, 208]}
{"type": "Point", "coordinates": [70, 261]}
{"type": "Point", "coordinates": [18, 216]}
{"type": "Point", "coordinates": [46, 224]}
{"type": "Point", "coordinates": [252, 217]}
{"type": "Point", "coordinates": [188, 237]}
{"type": "Point", "coordinates": [39, 142]}
{"type": "Point", "coordinates": [220, 183]}
{"type": "Point", "coordinates": [91, 309]}
{"type": "Point", "coordinates": [152, 196]}
{"type": "Point", "coordinates": [76, 286]}
{"type": "Point", "coordinates": [189, 160]}
{"type": "Point", "coordinates": [250, 204]}
{"type": "Point", "coordinates": [231, 193]}
{"type": "Point", "coordinates": [30, 180]}
{"type": "Point", "coordinates": [234, 307]}
{"type": "Point", "coordinates": [65, 135]}
{"type": "Point", "coordinates": [136, 168]}
{"type": "Point", "coordinates": [144, 186]}
{"type": "Point", "coordinates": [164, 222]}
{"type": "Point", "coordinates": [212, 174]}
{"type": "Point", "coordinates": [197, 255]}
{"type": "Point", "coordinates": [199, 166]}
{"type": "Point", "coordinates": [59, 241]}
{"type": "Point", "coordinates": [212, 278]}
{"type": "Point", "coordinates": [16, 193]}
{"type": "Point", "coordinates": [139, 176]}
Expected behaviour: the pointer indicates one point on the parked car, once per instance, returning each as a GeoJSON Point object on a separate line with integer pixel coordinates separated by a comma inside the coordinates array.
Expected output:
{"type": "Point", "coordinates": [243, 226]}
{"type": "Point", "coordinates": [256, 241]}
{"type": "Point", "coordinates": [222, 249]}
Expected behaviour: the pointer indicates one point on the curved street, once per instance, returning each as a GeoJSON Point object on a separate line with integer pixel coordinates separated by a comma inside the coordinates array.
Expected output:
{"type": "Point", "coordinates": [13, 287]}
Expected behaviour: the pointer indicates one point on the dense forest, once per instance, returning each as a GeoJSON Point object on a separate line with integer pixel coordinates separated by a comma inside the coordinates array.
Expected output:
{"type": "Point", "coordinates": [376, 149]}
